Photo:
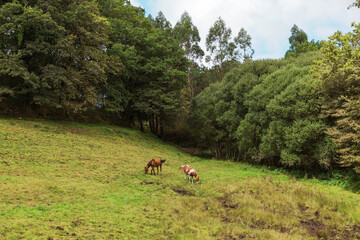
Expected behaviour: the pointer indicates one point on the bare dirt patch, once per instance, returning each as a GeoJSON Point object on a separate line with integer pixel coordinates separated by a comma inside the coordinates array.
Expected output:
{"type": "Point", "coordinates": [226, 204]}
{"type": "Point", "coordinates": [303, 207]}
{"type": "Point", "coordinates": [148, 183]}
{"type": "Point", "coordinates": [225, 219]}
{"type": "Point", "coordinates": [352, 232]}
{"type": "Point", "coordinates": [183, 192]}
{"type": "Point", "coordinates": [313, 226]}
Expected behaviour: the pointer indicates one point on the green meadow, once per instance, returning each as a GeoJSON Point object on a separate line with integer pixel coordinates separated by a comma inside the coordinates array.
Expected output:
{"type": "Point", "coordinates": [62, 180]}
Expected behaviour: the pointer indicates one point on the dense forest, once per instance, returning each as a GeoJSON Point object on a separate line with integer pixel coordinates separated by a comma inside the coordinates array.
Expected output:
{"type": "Point", "coordinates": [107, 61]}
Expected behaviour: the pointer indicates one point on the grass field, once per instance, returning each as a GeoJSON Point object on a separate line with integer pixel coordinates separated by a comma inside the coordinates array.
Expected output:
{"type": "Point", "coordinates": [61, 180]}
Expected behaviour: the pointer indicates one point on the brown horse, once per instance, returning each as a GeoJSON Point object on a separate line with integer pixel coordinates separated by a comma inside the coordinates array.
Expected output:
{"type": "Point", "coordinates": [154, 163]}
{"type": "Point", "coordinates": [190, 172]}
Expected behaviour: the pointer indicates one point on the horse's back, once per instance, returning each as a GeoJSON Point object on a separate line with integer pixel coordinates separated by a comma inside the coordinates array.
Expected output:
{"type": "Point", "coordinates": [187, 168]}
{"type": "Point", "coordinates": [157, 162]}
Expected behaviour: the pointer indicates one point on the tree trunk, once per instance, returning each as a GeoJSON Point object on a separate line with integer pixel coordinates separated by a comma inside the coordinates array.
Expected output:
{"type": "Point", "coordinates": [141, 125]}
{"type": "Point", "coordinates": [156, 125]}
{"type": "Point", "coordinates": [151, 123]}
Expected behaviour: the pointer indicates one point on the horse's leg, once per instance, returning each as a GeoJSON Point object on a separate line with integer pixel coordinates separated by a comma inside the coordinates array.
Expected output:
{"type": "Point", "coordinates": [157, 169]}
{"type": "Point", "coordinates": [160, 168]}
{"type": "Point", "coordinates": [185, 175]}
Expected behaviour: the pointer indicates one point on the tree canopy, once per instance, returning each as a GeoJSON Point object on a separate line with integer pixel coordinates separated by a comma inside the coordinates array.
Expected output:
{"type": "Point", "coordinates": [105, 60]}
{"type": "Point", "coordinates": [299, 43]}
{"type": "Point", "coordinates": [338, 72]}
{"type": "Point", "coordinates": [218, 44]}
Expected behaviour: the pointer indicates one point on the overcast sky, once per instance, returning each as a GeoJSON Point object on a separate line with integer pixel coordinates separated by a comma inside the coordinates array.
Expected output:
{"type": "Point", "coordinates": [267, 21]}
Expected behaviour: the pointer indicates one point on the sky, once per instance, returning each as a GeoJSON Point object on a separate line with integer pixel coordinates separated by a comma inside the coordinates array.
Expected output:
{"type": "Point", "coordinates": [268, 22]}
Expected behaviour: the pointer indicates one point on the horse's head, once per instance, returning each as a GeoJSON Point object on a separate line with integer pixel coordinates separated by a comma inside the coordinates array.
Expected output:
{"type": "Point", "coordinates": [197, 179]}
{"type": "Point", "coordinates": [146, 169]}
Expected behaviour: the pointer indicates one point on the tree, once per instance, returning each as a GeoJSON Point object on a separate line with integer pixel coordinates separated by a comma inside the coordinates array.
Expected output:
{"type": "Point", "coordinates": [299, 43]}
{"type": "Point", "coordinates": [150, 85]}
{"type": "Point", "coordinates": [355, 4]}
{"type": "Point", "coordinates": [128, 28]}
{"type": "Point", "coordinates": [162, 23]}
{"type": "Point", "coordinates": [298, 36]}
{"type": "Point", "coordinates": [218, 110]}
{"type": "Point", "coordinates": [188, 36]}
{"type": "Point", "coordinates": [217, 42]}
{"type": "Point", "coordinates": [52, 57]}
{"type": "Point", "coordinates": [243, 42]}
{"type": "Point", "coordinates": [157, 97]}
{"type": "Point", "coordinates": [338, 72]}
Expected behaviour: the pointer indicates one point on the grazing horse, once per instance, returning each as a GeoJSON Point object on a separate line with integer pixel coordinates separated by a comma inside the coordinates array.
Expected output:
{"type": "Point", "coordinates": [154, 163]}
{"type": "Point", "coordinates": [190, 172]}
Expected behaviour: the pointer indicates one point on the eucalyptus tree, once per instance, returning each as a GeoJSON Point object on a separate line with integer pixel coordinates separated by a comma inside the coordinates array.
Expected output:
{"type": "Point", "coordinates": [298, 36]}
{"type": "Point", "coordinates": [218, 43]}
{"type": "Point", "coordinates": [162, 23]}
{"type": "Point", "coordinates": [243, 43]}
{"type": "Point", "coordinates": [299, 43]}
{"type": "Point", "coordinates": [188, 36]}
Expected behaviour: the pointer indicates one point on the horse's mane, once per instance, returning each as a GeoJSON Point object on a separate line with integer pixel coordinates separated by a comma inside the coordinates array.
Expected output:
{"type": "Point", "coordinates": [149, 164]}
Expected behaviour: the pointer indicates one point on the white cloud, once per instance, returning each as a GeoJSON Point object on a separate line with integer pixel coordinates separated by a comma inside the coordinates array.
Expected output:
{"type": "Point", "coordinates": [136, 3]}
{"type": "Point", "coordinates": [267, 21]}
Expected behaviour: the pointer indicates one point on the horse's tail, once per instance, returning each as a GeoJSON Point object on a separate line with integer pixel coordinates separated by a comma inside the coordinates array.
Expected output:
{"type": "Point", "coordinates": [181, 168]}
{"type": "Point", "coordinates": [162, 161]}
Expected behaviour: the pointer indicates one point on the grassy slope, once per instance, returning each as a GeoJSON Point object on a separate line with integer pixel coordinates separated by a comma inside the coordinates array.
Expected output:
{"type": "Point", "coordinates": [74, 181]}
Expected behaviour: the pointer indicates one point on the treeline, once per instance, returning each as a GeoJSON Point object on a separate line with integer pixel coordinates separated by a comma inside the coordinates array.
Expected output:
{"type": "Point", "coordinates": [106, 60]}
{"type": "Point", "coordinates": [300, 112]}
{"type": "Point", "coordinates": [265, 111]}
{"type": "Point", "coordinates": [101, 59]}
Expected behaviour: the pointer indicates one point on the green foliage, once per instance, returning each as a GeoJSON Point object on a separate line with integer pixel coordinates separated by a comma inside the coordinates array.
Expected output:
{"type": "Point", "coordinates": [243, 40]}
{"type": "Point", "coordinates": [52, 56]}
{"type": "Point", "coordinates": [149, 88]}
{"type": "Point", "coordinates": [219, 108]}
{"type": "Point", "coordinates": [162, 23]}
{"type": "Point", "coordinates": [217, 42]}
{"type": "Point", "coordinates": [67, 59]}
{"type": "Point", "coordinates": [298, 36]}
{"type": "Point", "coordinates": [188, 36]}
{"type": "Point", "coordinates": [299, 43]}
{"type": "Point", "coordinates": [268, 112]}
{"type": "Point", "coordinates": [338, 72]}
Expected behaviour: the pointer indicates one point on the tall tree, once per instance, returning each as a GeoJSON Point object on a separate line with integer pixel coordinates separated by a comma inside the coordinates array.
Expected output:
{"type": "Point", "coordinates": [217, 42]}
{"type": "Point", "coordinates": [188, 36]}
{"type": "Point", "coordinates": [338, 72]}
{"type": "Point", "coordinates": [149, 87]}
{"type": "Point", "coordinates": [299, 43]}
{"type": "Point", "coordinates": [243, 42]}
{"type": "Point", "coordinates": [298, 36]}
{"type": "Point", "coordinates": [128, 28]}
{"type": "Point", "coordinates": [162, 23]}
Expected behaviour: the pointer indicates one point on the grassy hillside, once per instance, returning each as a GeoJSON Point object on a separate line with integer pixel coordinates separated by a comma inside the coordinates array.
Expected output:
{"type": "Point", "coordinates": [63, 180]}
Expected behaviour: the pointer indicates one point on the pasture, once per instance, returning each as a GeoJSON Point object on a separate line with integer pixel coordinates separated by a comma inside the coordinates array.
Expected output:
{"type": "Point", "coordinates": [61, 180]}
